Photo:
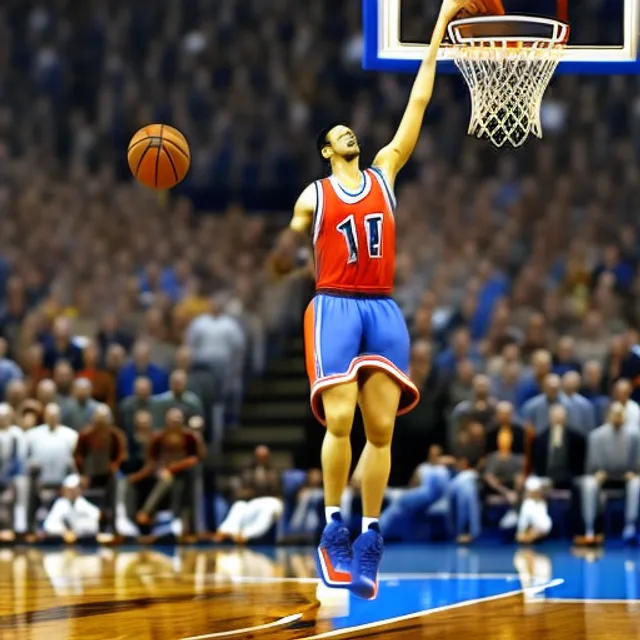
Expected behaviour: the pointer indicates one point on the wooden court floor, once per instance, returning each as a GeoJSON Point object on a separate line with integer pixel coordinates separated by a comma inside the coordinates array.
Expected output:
{"type": "Point", "coordinates": [66, 594]}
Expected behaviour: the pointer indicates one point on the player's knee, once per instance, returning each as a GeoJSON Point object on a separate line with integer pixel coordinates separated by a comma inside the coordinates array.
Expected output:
{"type": "Point", "coordinates": [339, 419]}
{"type": "Point", "coordinates": [379, 435]}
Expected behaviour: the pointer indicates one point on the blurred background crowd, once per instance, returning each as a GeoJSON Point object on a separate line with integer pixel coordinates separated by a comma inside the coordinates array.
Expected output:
{"type": "Point", "coordinates": [131, 317]}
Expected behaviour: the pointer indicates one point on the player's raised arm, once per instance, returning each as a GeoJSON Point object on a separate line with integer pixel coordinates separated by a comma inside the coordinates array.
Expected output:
{"type": "Point", "coordinates": [284, 257]}
{"type": "Point", "coordinates": [394, 156]}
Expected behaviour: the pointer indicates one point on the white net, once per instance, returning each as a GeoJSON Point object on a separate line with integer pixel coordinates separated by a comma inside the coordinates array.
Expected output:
{"type": "Point", "coordinates": [507, 79]}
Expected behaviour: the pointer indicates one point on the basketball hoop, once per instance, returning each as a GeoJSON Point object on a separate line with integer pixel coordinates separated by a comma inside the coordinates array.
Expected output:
{"type": "Point", "coordinates": [507, 63]}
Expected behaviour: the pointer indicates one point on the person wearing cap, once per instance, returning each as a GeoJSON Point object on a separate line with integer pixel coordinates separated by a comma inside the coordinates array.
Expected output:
{"type": "Point", "coordinates": [534, 522]}
{"type": "Point", "coordinates": [72, 517]}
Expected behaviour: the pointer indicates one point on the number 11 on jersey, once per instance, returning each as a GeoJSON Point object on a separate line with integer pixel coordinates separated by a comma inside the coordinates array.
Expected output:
{"type": "Point", "coordinates": [373, 231]}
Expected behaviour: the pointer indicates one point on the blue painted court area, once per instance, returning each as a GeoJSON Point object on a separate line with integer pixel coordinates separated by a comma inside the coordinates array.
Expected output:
{"type": "Point", "coordinates": [403, 597]}
{"type": "Point", "coordinates": [422, 578]}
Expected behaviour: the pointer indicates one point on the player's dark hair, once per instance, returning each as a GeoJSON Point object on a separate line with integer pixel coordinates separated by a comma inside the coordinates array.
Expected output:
{"type": "Point", "coordinates": [321, 140]}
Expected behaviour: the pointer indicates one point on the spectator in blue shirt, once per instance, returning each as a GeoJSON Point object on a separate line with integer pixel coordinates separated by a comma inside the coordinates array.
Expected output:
{"type": "Point", "coordinates": [494, 287]}
{"type": "Point", "coordinates": [9, 370]}
{"type": "Point", "coordinates": [140, 365]}
{"type": "Point", "coordinates": [630, 366]}
{"type": "Point", "coordinates": [592, 390]}
{"type": "Point", "coordinates": [60, 346]}
{"type": "Point", "coordinates": [531, 385]}
{"type": "Point", "coordinates": [580, 409]}
{"type": "Point", "coordinates": [535, 412]}
{"type": "Point", "coordinates": [565, 359]}
{"type": "Point", "coordinates": [460, 349]}
{"type": "Point", "coordinates": [612, 264]}
{"type": "Point", "coordinates": [111, 334]}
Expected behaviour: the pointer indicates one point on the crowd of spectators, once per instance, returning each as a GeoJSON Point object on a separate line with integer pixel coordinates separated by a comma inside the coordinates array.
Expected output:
{"type": "Point", "coordinates": [130, 321]}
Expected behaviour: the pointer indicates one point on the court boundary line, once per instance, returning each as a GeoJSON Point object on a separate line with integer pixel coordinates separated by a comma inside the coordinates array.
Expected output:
{"type": "Point", "coordinates": [281, 622]}
{"type": "Point", "coordinates": [593, 600]}
{"type": "Point", "coordinates": [428, 612]}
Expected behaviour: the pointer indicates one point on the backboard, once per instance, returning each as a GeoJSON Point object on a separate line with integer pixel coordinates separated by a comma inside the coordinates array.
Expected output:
{"type": "Point", "coordinates": [604, 33]}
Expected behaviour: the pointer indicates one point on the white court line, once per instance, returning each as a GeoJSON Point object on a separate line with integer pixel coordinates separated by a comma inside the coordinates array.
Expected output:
{"type": "Point", "coordinates": [384, 577]}
{"type": "Point", "coordinates": [429, 612]}
{"type": "Point", "coordinates": [590, 601]}
{"type": "Point", "coordinates": [282, 622]}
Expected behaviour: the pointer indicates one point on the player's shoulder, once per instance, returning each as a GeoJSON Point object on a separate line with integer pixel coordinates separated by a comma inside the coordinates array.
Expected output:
{"type": "Point", "coordinates": [386, 183]}
{"type": "Point", "coordinates": [307, 200]}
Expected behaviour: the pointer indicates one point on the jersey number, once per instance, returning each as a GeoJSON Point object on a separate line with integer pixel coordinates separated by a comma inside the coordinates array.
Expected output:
{"type": "Point", "coordinates": [373, 231]}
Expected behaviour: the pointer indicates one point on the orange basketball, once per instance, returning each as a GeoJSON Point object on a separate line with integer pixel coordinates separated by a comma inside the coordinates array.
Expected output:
{"type": "Point", "coordinates": [159, 156]}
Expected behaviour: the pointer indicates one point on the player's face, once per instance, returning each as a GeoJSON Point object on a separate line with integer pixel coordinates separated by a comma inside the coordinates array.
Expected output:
{"type": "Point", "coordinates": [343, 142]}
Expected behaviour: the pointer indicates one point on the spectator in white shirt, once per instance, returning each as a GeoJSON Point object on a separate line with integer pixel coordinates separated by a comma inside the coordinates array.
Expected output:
{"type": "Point", "coordinates": [622, 393]}
{"type": "Point", "coordinates": [219, 345]}
{"type": "Point", "coordinates": [72, 516]}
{"type": "Point", "coordinates": [13, 454]}
{"type": "Point", "coordinates": [50, 448]}
{"type": "Point", "coordinates": [216, 338]}
{"type": "Point", "coordinates": [534, 522]}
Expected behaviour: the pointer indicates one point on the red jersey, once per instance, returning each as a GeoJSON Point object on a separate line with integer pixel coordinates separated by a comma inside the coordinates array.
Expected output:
{"type": "Point", "coordinates": [354, 236]}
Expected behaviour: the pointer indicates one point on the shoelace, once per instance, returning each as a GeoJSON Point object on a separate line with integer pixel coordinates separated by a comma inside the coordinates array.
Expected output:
{"type": "Point", "coordinates": [342, 545]}
{"type": "Point", "coordinates": [371, 556]}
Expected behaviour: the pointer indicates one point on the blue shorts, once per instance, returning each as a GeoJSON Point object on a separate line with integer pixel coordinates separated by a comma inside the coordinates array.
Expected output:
{"type": "Point", "coordinates": [345, 334]}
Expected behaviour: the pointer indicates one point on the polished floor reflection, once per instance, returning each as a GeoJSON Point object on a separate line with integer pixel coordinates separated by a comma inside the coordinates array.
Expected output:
{"type": "Point", "coordinates": [425, 592]}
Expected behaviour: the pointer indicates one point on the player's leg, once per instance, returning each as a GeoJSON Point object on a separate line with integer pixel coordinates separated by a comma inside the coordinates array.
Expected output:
{"type": "Point", "coordinates": [334, 551]}
{"type": "Point", "coordinates": [339, 409]}
{"type": "Point", "coordinates": [385, 389]}
{"type": "Point", "coordinates": [385, 385]}
{"type": "Point", "coordinates": [333, 330]}
{"type": "Point", "coordinates": [379, 399]}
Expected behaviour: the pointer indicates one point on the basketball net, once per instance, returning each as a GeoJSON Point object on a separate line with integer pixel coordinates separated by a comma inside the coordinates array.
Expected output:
{"type": "Point", "coordinates": [507, 76]}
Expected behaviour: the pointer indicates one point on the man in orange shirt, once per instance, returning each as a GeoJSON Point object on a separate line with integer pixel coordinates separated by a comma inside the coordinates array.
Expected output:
{"type": "Point", "coordinates": [172, 456]}
{"type": "Point", "coordinates": [100, 451]}
{"type": "Point", "coordinates": [104, 382]}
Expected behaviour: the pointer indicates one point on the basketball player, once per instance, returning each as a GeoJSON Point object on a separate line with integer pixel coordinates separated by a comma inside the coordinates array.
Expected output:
{"type": "Point", "coordinates": [356, 340]}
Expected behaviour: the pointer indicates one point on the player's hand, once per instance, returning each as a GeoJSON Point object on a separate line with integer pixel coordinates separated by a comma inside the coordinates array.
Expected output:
{"type": "Point", "coordinates": [451, 8]}
{"type": "Point", "coordinates": [630, 475]}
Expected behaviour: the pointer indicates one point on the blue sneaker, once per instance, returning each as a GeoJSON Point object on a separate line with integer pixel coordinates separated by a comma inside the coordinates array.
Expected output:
{"type": "Point", "coordinates": [333, 559]}
{"type": "Point", "coordinates": [367, 554]}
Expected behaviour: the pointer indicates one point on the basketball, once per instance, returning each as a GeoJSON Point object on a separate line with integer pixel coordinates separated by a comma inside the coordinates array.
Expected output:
{"type": "Point", "coordinates": [159, 156]}
{"type": "Point", "coordinates": [482, 8]}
